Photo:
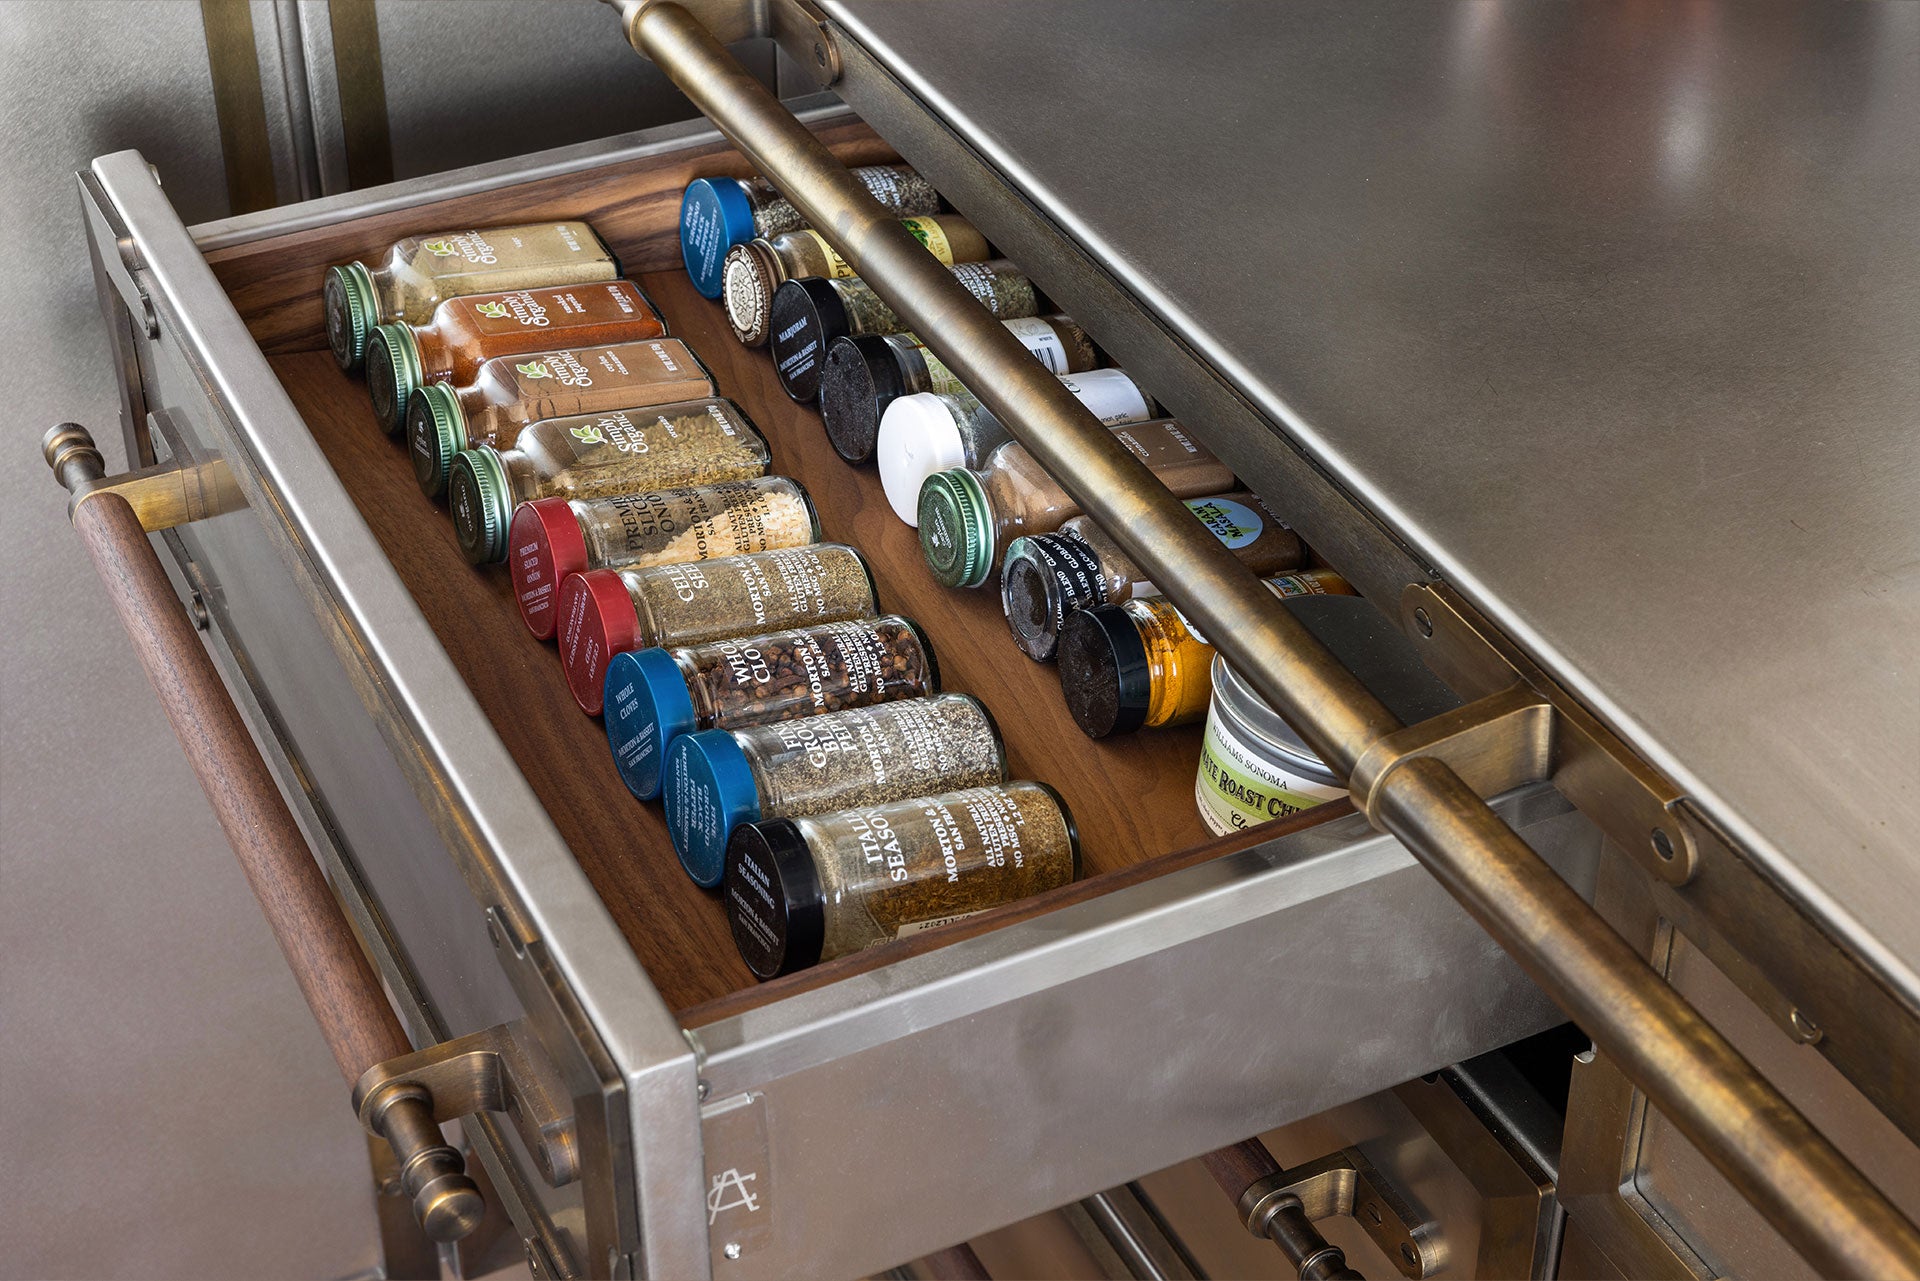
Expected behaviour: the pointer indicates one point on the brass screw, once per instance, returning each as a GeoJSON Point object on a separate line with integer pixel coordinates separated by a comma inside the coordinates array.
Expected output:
{"type": "Point", "coordinates": [1424, 621]}
{"type": "Point", "coordinates": [1663, 844]}
{"type": "Point", "coordinates": [1805, 1030]}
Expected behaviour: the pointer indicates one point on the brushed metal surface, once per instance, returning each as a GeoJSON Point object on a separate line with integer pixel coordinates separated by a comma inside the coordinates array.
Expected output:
{"type": "Point", "coordinates": [1607, 311]}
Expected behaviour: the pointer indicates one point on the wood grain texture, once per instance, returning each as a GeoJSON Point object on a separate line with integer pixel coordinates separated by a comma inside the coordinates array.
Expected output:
{"type": "Point", "coordinates": [1237, 1168]}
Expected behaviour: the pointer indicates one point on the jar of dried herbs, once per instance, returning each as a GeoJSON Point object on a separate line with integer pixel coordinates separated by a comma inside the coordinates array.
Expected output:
{"type": "Point", "coordinates": [653, 696]}
{"type": "Point", "coordinates": [604, 612]}
{"type": "Point", "coordinates": [804, 890]}
{"type": "Point", "coordinates": [718, 779]}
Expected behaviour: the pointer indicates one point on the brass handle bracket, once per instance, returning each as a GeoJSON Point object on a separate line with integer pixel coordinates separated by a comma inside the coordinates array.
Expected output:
{"type": "Point", "coordinates": [795, 25]}
{"type": "Point", "coordinates": [1344, 1184]}
{"type": "Point", "coordinates": [162, 496]}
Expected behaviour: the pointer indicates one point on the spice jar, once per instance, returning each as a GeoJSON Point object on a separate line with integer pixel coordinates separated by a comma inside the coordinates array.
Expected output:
{"type": "Point", "coordinates": [1140, 664]}
{"type": "Point", "coordinates": [512, 391]}
{"type": "Point", "coordinates": [718, 213]}
{"type": "Point", "coordinates": [808, 314]}
{"type": "Point", "coordinates": [754, 270]}
{"type": "Point", "coordinates": [967, 518]}
{"type": "Point", "coordinates": [931, 432]}
{"type": "Point", "coordinates": [718, 779]}
{"type": "Point", "coordinates": [804, 890]}
{"type": "Point", "coordinates": [463, 332]}
{"type": "Point", "coordinates": [865, 374]}
{"type": "Point", "coordinates": [1047, 578]}
{"type": "Point", "coordinates": [604, 612]}
{"type": "Point", "coordinates": [420, 272]}
{"type": "Point", "coordinates": [652, 696]}
{"type": "Point", "coordinates": [594, 456]}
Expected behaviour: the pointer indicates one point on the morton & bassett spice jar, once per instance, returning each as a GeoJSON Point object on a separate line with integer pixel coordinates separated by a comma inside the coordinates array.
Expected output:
{"type": "Point", "coordinates": [604, 612]}
{"type": "Point", "coordinates": [717, 779]}
{"type": "Point", "coordinates": [804, 890]}
{"type": "Point", "coordinates": [652, 696]}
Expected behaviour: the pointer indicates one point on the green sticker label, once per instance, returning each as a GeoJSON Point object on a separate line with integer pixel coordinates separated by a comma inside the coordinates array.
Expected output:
{"type": "Point", "coordinates": [1235, 791]}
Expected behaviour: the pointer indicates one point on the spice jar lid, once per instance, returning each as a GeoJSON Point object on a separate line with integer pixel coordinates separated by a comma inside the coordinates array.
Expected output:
{"type": "Point", "coordinates": [956, 528]}
{"type": "Point", "coordinates": [1044, 580]}
{"type": "Point", "coordinates": [352, 310]}
{"type": "Point", "coordinates": [393, 371]}
{"type": "Point", "coordinates": [917, 438]}
{"type": "Point", "coordinates": [596, 622]}
{"type": "Point", "coordinates": [861, 379]}
{"type": "Point", "coordinates": [748, 278]}
{"type": "Point", "coordinates": [776, 905]}
{"type": "Point", "coordinates": [550, 547]}
{"type": "Point", "coordinates": [806, 315]}
{"type": "Point", "coordinates": [715, 215]}
{"type": "Point", "coordinates": [436, 431]}
{"type": "Point", "coordinates": [647, 706]}
{"type": "Point", "coordinates": [1104, 675]}
{"type": "Point", "coordinates": [709, 791]}
{"type": "Point", "coordinates": [478, 497]}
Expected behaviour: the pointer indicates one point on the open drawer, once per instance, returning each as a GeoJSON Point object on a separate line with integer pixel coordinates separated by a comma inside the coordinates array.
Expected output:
{"type": "Point", "coordinates": [1186, 993]}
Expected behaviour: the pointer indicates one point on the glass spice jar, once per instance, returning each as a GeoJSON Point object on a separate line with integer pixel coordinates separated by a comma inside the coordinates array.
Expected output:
{"type": "Point", "coordinates": [967, 518]}
{"type": "Point", "coordinates": [594, 456]}
{"type": "Point", "coordinates": [420, 272]}
{"type": "Point", "coordinates": [754, 270]}
{"type": "Point", "coordinates": [867, 373]}
{"type": "Point", "coordinates": [1047, 578]}
{"type": "Point", "coordinates": [511, 391]}
{"type": "Point", "coordinates": [930, 432]}
{"type": "Point", "coordinates": [652, 696]}
{"type": "Point", "coordinates": [807, 314]}
{"type": "Point", "coordinates": [717, 779]}
{"type": "Point", "coordinates": [1141, 664]}
{"type": "Point", "coordinates": [718, 213]}
{"type": "Point", "coordinates": [604, 612]}
{"type": "Point", "coordinates": [804, 890]}
{"type": "Point", "coordinates": [462, 332]}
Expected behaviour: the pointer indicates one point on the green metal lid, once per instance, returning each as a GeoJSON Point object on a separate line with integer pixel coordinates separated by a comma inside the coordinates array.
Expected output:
{"type": "Point", "coordinates": [956, 528]}
{"type": "Point", "coordinates": [393, 371]}
{"type": "Point", "coordinates": [478, 497]}
{"type": "Point", "coordinates": [436, 431]}
{"type": "Point", "coordinates": [352, 311]}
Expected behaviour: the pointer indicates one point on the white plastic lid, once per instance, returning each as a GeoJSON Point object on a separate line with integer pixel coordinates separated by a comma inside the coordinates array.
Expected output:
{"type": "Point", "coordinates": [918, 437]}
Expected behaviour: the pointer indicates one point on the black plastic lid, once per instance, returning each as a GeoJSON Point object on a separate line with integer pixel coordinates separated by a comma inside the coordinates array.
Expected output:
{"type": "Point", "coordinates": [775, 903]}
{"type": "Point", "coordinates": [861, 379]}
{"type": "Point", "coordinates": [1104, 675]}
{"type": "Point", "coordinates": [806, 315]}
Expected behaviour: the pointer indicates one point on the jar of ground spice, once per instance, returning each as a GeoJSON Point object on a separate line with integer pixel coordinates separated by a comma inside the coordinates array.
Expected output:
{"type": "Point", "coordinates": [718, 779]}
{"type": "Point", "coordinates": [652, 696]}
{"type": "Point", "coordinates": [804, 890]}
{"type": "Point", "coordinates": [604, 612]}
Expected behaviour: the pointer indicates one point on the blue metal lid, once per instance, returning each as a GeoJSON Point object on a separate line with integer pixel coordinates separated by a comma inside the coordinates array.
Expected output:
{"type": "Point", "coordinates": [646, 707]}
{"type": "Point", "coordinates": [715, 215]}
{"type": "Point", "coordinates": [709, 792]}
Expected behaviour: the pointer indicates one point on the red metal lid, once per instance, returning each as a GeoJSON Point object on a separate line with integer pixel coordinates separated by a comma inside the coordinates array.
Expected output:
{"type": "Point", "coordinates": [544, 545]}
{"type": "Point", "coordinates": [596, 622]}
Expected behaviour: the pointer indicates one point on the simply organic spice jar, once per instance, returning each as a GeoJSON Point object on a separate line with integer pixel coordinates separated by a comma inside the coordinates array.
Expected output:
{"type": "Point", "coordinates": [462, 332]}
{"type": "Point", "coordinates": [652, 696]}
{"type": "Point", "coordinates": [755, 269]}
{"type": "Point", "coordinates": [512, 391]}
{"type": "Point", "coordinates": [718, 779]}
{"type": "Point", "coordinates": [867, 373]}
{"type": "Point", "coordinates": [620, 451]}
{"type": "Point", "coordinates": [1047, 578]}
{"type": "Point", "coordinates": [804, 890]}
{"type": "Point", "coordinates": [718, 213]}
{"type": "Point", "coordinates": [604, 612]}
{"type": "Point", "coordinates": [420, 272]}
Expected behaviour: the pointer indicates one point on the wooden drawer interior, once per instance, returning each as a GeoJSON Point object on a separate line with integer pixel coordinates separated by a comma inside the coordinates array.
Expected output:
{"type": "Point", "coordinates": [1132, 796]}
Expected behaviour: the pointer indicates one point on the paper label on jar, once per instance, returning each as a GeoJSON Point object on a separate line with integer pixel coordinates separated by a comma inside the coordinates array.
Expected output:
{"type": "Point", "coordinates": [1237, 788]}
{"type": "Point", "coordinates": [1113, 397]}
{"type": "Point", "coordinates": [929, 233]}
{"type": "Point", "coordinates": [837, 267]}
{"type": "Point", "coordinates": [581, 305]}
{"type": "Point", "coordinates": [1042, 340]}
{"type": "Point", "coordinates": [1235, 524]}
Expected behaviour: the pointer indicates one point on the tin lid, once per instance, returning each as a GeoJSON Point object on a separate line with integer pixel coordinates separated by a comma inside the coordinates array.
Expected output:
{"type": "Point", "coordinates": [806, 315]}
{"type": "Point", "coordinates": [709, 791]}
{"type": "Point", "coordinates": [917, 438]}
{"type": "Point", "coordinates": [393, 371]}
{"type": "Point", "coordinates": [776, 905]}
{"type": "Point", "coordinates": [436, 431]}
{"type": "Point", "coordinates": [748, 278]}
{"type": "Point", "coordinates": [956, 528]}
{"type": "Point", "coordinates": [596, 622]}
{"type": "Point", "coordinates": [1044, 580]}
{"type": "Point", "coordinates": [861, 380]}
{"type": "Point", "coordinates": [1104, 674]}
{"type": "Point", "coordinates": [352, 310]}
{"type": "Point", "coordinates": [544, 546]}
{"type": "Point", "coordinates": [478, 498]}
{"type": "Point", "coordinates": [647, 706]}
{"type": "Point", "coordinates": [715, 215]}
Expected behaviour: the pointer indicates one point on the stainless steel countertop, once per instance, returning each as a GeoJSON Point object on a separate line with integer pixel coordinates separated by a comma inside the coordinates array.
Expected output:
{"type": "Point", "coordinates": [1611, 311]}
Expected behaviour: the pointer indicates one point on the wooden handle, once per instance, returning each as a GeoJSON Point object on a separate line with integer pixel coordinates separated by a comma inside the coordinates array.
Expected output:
{"type": "Point", "coordinates": [1237, 1168]}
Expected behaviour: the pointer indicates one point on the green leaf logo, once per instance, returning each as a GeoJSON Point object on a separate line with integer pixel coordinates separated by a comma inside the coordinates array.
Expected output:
{"type": "Point", "coordinates": [535, 369]}
{"type": "Point", "coordinates": [492, 310]}
{"type": "Point", "coordinates": [590, 435]}
{"type": "Point", "coordinates": [439, 248]}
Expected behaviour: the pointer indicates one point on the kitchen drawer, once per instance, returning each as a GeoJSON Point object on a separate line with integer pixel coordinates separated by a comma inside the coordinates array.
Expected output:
{"type": "Point", "coordinates": [1187, 992]}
